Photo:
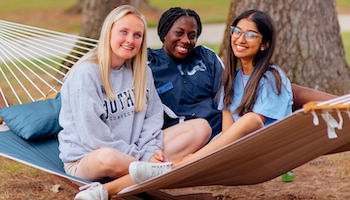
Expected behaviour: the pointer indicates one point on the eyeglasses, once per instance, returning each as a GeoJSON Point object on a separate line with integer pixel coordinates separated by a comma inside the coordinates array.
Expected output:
{"type": "Point", "coordinates": [249, 36]}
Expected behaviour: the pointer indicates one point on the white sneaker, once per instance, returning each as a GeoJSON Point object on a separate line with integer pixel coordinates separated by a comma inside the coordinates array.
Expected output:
{"type": "Point", "coordinates": [92, 191]}
{"type": "Point", "coordinates": [142, 171]}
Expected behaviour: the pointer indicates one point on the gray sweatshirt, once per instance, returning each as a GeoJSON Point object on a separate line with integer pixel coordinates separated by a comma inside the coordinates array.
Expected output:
{"type": "Point", "coordinates": [91, 121]}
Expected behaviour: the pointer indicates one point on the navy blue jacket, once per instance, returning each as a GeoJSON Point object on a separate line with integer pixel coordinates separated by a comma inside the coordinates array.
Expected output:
{"type": "Point", "coordinates": [191, 91]}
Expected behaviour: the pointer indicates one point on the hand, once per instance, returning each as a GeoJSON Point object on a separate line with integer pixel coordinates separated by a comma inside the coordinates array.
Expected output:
{"type": "Point", "coordinates": [158, 157]}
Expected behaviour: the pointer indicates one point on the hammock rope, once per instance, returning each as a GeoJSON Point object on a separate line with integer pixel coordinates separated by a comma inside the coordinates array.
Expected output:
{"type": "Point", "coordinates": [34, 61]}
{"type": "Point", "coordinates": [340, 104]}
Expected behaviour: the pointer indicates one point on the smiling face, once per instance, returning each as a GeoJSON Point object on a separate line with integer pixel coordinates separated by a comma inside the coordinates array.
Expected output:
{"type": "Point", "coordinates": [246, 51]}
{"type": "Point", "coordinates": [181, 38]}
{"type": "Point", "coordinates": [126, 39]}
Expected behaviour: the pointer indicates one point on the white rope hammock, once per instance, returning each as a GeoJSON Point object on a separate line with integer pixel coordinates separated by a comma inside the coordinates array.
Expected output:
{"type": "Point", "coordinates": [33, 61]}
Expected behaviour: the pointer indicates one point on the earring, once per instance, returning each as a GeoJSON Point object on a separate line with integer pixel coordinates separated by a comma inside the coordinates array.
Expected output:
{"type": "Point", "coordinates": [262, 49]}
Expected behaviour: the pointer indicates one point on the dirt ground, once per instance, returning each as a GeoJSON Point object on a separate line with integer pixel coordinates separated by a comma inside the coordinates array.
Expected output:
{"type": "Point", "coordinates": [326, 177]}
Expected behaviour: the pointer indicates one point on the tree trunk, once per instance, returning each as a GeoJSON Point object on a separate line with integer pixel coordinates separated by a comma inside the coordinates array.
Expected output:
{"type": "Point", "coordinates": [77, 8]}
{"type": "Point", "coordinates": [309, 46]}
{"type": "Point", "coordinates": [94, 13]}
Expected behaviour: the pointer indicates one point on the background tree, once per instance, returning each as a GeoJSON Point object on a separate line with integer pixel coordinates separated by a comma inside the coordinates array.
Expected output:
{"type": "Point", "coordinates": [95, 11]}
{"type": "Point", "coordinates": [309, 46]}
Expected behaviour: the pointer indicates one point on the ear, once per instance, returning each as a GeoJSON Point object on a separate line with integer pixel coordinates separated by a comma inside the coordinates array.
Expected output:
{"type": "Point", "coordinates": [265, 46]}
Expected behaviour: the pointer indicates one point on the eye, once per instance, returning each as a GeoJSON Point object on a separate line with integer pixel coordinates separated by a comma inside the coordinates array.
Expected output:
{"type": "Point", "coordinates": [192, 36]}
{"type": "Point", "coordinates": [123, 32]}
{"type": "Point", "coordinates": [179, 33]}
{"type": "Point", "coordinates": [237, 31]}
{"type": "Point", "coordinates": [251, 34]}
{"type": "Point", "coordinates": [137, 35]}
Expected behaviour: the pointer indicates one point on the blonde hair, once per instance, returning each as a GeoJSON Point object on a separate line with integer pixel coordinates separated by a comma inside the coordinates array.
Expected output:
{"type": "Point", "coordinates": [102, 55]}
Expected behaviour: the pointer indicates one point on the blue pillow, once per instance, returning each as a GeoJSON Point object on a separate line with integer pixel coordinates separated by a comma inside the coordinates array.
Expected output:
{"type": "Point", "coordinates": [33, 120]}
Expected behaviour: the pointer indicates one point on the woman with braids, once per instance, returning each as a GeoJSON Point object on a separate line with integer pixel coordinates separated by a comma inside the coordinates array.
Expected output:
{"type": "Point", "coordinates": [187, 77]}
{"type": "Point", "coordinates": [254, 91]}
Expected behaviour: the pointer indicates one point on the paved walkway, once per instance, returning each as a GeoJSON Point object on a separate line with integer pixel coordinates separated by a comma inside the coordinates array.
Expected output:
{"type": "Point", "coordinates": [214, 33]}
{"type": "Point", "coordinates": [344, 22]}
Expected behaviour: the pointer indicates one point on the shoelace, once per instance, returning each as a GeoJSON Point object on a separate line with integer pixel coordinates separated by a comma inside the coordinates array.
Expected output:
{"type": "Point", "coordinates": [160, 169]}
{"type": "Point", "coordinates": [91, 186]}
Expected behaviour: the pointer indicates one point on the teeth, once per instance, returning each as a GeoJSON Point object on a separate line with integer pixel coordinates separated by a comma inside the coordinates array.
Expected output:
{"type": "Point", "coordinates": [127, 47]}
{"type": "Point", "coordinates": [182, 49]}
{"type": "Point", "coordinates": [240, 47]}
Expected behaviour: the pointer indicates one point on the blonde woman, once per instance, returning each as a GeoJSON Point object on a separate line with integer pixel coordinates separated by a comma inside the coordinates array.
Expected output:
{"type": "Point", "coordinates": [111, 113]}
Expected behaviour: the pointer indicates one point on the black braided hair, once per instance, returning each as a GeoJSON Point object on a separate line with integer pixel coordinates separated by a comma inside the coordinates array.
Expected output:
{"type": "Point", "coordinates": [168, 18]}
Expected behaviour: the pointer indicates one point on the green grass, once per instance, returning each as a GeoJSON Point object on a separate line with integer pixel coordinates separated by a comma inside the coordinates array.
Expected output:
{"type": "Point", "coordinates": [49, 14]}
{"type": "Point", "coordinates": [40, 5]}
{"type": "Point", "coordinates": [346, 42]}
{"type": "Point", "coordinates": [12, 167]}
{"type": "Point", "coordinates": [214, 47]}
{"type": "Point", "coordinates": [342, 3]}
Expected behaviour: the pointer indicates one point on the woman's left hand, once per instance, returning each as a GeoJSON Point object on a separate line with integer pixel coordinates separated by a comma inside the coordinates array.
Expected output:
{"type": "Point", "coordinates": [158, 157]}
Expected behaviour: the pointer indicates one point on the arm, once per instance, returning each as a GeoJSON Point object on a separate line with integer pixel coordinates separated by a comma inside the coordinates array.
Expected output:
{"type": "Point", "coordinates": [243, 126]}
{"type": "Point", "coordinates": [227, 120]}
{"type": "Point", "coordinates": [303, 95]}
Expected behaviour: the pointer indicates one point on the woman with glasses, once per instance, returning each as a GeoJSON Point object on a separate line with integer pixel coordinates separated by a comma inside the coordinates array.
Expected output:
{"type": "Point", "coordinates": [254, 91]}
{"type": "Point", "coordinates": [260, 91]}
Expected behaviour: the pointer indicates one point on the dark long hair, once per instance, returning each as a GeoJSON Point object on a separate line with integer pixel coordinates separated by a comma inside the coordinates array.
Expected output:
{"type": "Point", "coordinates": [261, 63]}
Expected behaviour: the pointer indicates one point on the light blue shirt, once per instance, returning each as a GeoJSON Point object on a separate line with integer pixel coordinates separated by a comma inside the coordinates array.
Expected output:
{"type": "Point", "coordinates": [268, 102]}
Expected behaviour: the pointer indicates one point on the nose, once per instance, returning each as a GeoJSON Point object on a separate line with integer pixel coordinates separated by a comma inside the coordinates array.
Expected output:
{"type": "Point", "coordinates": [241, 38]}
{"type": "Point", "coordinates": [185, 39]}
{"type": "Point", "coordinates": [130, 38]}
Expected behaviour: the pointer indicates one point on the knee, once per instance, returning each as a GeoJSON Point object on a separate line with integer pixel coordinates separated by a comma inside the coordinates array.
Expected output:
{"type": "Point", "coordinates": [202, 129]}
{"type": "Point", "coordinates": [107, 160]}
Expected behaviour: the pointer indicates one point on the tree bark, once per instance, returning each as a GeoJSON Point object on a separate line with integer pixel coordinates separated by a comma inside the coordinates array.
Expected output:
{"type": "Point", "coordinates": [309, 46]}
{"type": "Point", "coordinates": [77, 8]}
{"type": "Point", "coordinates": [94, 13]}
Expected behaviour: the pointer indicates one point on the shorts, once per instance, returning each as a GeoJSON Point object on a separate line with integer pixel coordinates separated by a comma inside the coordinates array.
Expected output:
{"type": "Point", "coordinates": [71, 167]}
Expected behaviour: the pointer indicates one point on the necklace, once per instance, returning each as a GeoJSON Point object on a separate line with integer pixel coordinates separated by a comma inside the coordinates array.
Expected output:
{"type": "Point", "coordinates": [242, 78]}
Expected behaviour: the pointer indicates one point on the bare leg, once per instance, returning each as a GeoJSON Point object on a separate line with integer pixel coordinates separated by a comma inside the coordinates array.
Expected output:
{"type": "Point", "coordinates": [104, 162]}
{"type": "Point", "coordinates": [303, 95]}
{"type": "Point", "coordinates": [117, 185]}
{"type": "Point", "coordinates": [185, 138]}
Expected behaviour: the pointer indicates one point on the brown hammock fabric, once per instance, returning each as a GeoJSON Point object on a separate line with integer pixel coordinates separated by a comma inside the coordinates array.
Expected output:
{"type": "Point", "coordinates": [261, 155]}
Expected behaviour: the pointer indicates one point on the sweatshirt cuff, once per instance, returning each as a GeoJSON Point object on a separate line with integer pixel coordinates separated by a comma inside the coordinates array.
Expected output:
{"type": "Point", "coordinates": [147, 156]}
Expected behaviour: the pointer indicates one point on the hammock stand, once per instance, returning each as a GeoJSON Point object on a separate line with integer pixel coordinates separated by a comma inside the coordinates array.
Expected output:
{"type": "Point", "coordinates": [33, 62]}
